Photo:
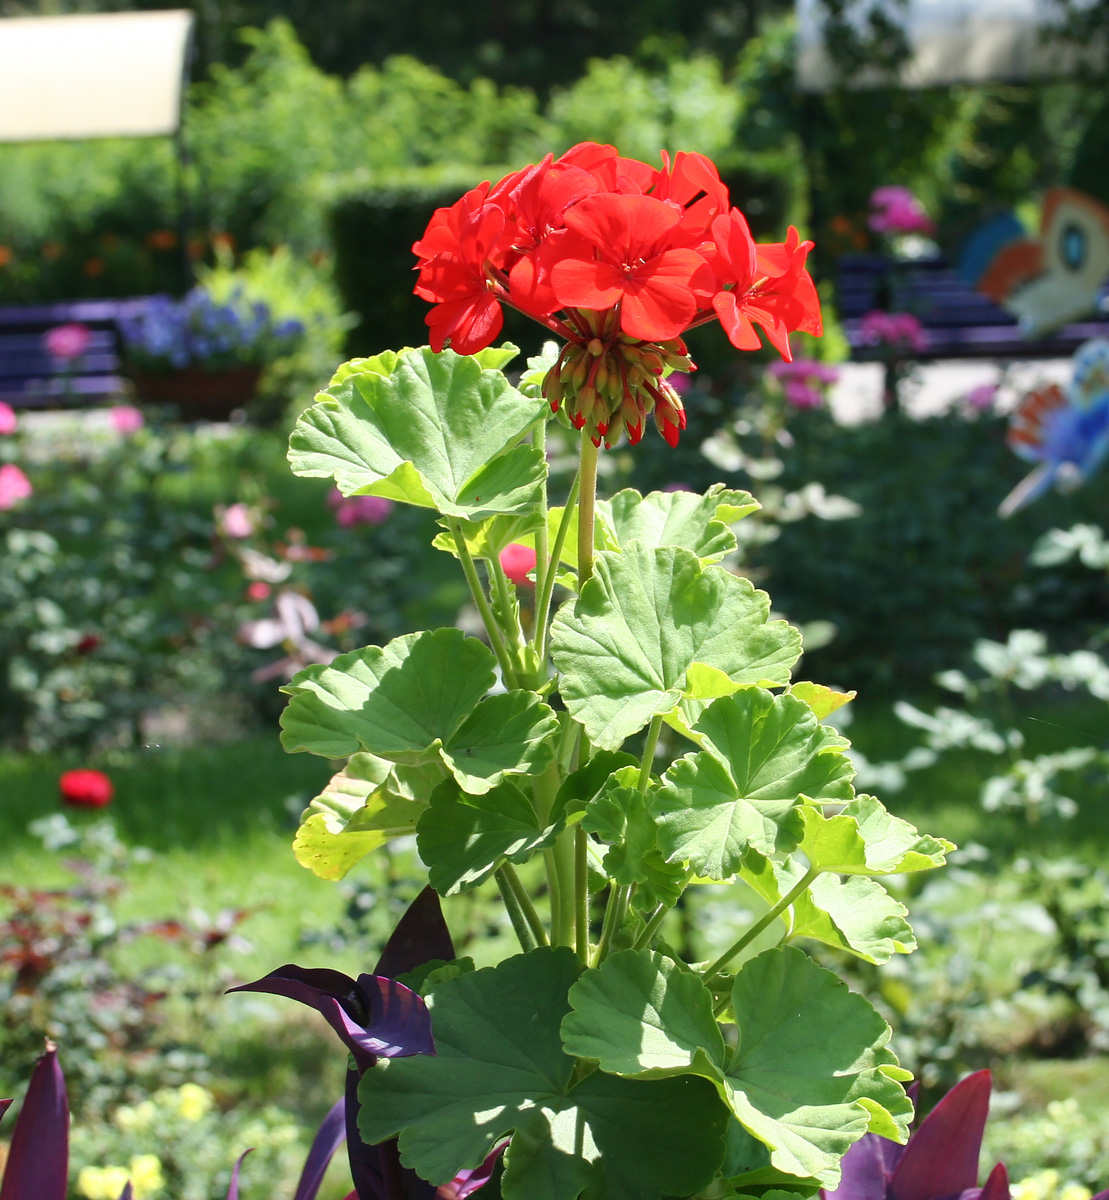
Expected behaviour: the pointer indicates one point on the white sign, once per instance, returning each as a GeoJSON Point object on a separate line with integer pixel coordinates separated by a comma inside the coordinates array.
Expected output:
{"type": "Point", "coordinates": [92, 76]}
{"type": "Point", "coordinates": [951, 41]}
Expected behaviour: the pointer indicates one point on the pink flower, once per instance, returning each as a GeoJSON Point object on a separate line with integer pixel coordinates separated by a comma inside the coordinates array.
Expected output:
{"type": "Point", "coordinates": [803, 381]}
{"type": "Point", "coordinates": [235, 521]}
{"type": "Point", "coordinates": [516, 562]}
{"type": "Point", "coordinates": [259, 590]}
{"type": "Point", "coordinates": [897, 210]}
{"type": "Point", "coordinates": [899, 330]}
{"type": "Point", "coordinates": [9, 423]}
{"type": "Point", "coordinates": [981, 397]}
{"type": "Point", "coordinates": [14, 486]}
{"type": "Point", "coordinates": [84, 788]}
{"type": "Point", "coordinates": [68, 341]}
{"type": "Point", "coordinates": [359, 510]}
{"type": "Point", "coordinates": [127, 419]}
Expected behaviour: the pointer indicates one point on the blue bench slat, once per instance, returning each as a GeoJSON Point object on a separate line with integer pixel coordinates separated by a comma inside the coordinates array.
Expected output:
{"type": "Point", "coordinates": [30, 377]}
{"type": "Point", "coordinates": [958, 321]}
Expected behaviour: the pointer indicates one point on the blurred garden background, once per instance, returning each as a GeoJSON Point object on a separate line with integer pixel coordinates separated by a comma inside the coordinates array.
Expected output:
{"type": "Point", "coordinates": [161, 576]}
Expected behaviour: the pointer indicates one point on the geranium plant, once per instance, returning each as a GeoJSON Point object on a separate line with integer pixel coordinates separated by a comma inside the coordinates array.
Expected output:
{"type": "Point", "coordinates": [595, 1059]}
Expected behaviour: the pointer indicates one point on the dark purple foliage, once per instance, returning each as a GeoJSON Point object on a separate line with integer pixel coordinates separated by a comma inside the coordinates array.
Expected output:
{"type": "Point", "coordinates": [329, 1137]}
{"type": "Point", "coordinates": [376, 1017]}
{"type": "Point", "coordinates": [939, 1161]}
{"type": "Point", "coordinates": [38, 1158]}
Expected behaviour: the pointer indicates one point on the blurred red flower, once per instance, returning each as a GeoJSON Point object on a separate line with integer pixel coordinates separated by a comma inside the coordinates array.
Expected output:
{"type": "Point", "coordinates": [85, 788]}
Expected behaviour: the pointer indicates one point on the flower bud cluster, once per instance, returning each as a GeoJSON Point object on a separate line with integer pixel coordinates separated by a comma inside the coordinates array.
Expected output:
{"type": "Point", "coordinates": [609, 387]}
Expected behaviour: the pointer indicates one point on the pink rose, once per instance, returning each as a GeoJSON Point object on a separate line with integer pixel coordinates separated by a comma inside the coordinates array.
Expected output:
{"type": "Point", "coordinates": [68, 341]}
{"type": "Point", "coordinates": [516, 562]}
{"type": "Point", "coordinates": [127, 419]}
{"type": "Point", "coordinates": [14, 486]}
{"type": "Point", "coordinates": [9, 423]}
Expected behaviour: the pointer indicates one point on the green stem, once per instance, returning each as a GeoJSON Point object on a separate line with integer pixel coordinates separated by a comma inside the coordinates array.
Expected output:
{"type": "Point", "coordinates": [523, 900]}
{"type": "Point", "coordinates": [515, 913]}
{"type": "Point", "coordinates": [505, 601]}
{"type": "Point", "coordinates": [616, 910]}
{"type": "Point", "coordinates": [649, 752]}
{"type": "Point", "coordinates": [543, 596]}
{"type": "Point", "coordinates": [767, 918]}
{"type": "Point", "coordinates": [478, 593]}
{"type": "Point", "coordinates": [554, 888]}
{"type": "Point", "coordinates": [587, 473]}
{"type": "Point", "coordinates": [542, 534]}
{"type": "Point", "coordinates": [581, 892]}
{"type": "Point", "coordinates": [562, 853]}
{"type": "Point", "coordinates": [643, 942]}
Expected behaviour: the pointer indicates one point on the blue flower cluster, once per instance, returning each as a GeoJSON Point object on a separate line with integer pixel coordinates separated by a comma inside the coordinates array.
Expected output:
{"type": "Point", "coordinates": [197, 331]}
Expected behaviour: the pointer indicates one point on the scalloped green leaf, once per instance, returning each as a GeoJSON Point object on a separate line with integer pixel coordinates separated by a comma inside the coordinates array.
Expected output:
{"type": "Point", "coordinates": [641, 1014]}
{"type": "Point", "coordinates": [865, 839]}
{"type": "Point", "coordinates": [855, 914]}
{"type": "Point", "coordinates": [486, 539]}
{"type": "Point", "coordinates": [808, 1075]}
{"type": "Point", "coordinates": [500, 1070]}
{"type": "Point", "coordinates": [420, 699]}
{"type": "Point", "coordinates": [362, 807]}
{"type": "Point", "coordinates": [624, 647]}
{"type": "Point", "coordinates": [619, 817]}
{"type": "Point", "coordinates": [463, 839]}
{"type": "Point", "coordinates": [695, 522]}
{"type": "Point", "coordinates": [433, 430]}
{"type": "Point", "coordinates": [763, 754]}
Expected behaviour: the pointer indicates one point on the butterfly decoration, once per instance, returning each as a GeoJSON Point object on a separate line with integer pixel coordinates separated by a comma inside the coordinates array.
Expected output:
{"type": "Point", "coordinates": [1065, 431]}
{"type": "Point", "coordinates": [1047, 279]}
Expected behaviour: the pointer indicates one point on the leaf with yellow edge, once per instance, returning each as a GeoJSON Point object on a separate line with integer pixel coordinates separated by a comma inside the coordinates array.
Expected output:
{"type": "Point", "coordinates": [822, 700]}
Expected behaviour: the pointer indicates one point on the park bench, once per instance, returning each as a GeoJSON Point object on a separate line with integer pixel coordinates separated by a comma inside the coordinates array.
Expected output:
{"type": "Point", "coordinates": [30, 377]}
{"type": "Point", "coordinates": [958, 321]}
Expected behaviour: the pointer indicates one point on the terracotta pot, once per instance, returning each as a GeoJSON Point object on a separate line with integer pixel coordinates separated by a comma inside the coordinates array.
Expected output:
{"type": "Point", "coordinates": [200, 394]}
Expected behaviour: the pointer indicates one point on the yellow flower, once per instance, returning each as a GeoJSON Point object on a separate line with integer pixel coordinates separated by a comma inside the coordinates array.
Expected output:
{"type": "Point", "coordinates": [146, 1176]}
{"type": "Point", "coordinates": [137, 1117]}
{"type": "Point", "coordinates": [1044, 1185]}
{"type": "Point", "coordinates": [193, 1101]}
{"type": "Point", "coordinates": [101, 1183]}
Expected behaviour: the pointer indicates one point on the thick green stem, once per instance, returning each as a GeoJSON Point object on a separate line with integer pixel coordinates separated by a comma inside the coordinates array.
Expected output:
{"type": "Point", "coordinates": [581, 893]}
{"type": "Point", "coordinates": [768, 918]}
{"type": "Point", "coordinates": [515, 912]}
{"type": "Point", "coordinates": [643, 942]}
{"type": "Point", "coordinates": [523, 902]}
{"type": "Point", "coordinates": [478, 592]}
{"type": "Point", "coordinates": [542, 538]}
{"type": "Point", "coordinates": [562, 853]}
{"type": "Point", "coordinates": [587, 474]}
{"type": "Point", "coordinates": [649, 752]}
{"type": "Point", "coordinates": [543, 595]}
{"type": "Point", "coordinates": [616, 912]}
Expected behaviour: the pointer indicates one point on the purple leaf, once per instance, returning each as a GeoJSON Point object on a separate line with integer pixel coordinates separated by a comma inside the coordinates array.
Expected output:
{"type": "Point", "coordinates": [996, 1186]}
{"type": "Point", "coordinates": [38, 1158]}
{"type": "Point", "coordinates": [233, 1186]}
{"type": "Point", "coordinates": [127, 1193]}
{"type": "Point", "coordinates": [4, 1106]}
{"type": "Point", "coordinates": [330, 1135]}
{"type": "Point", "coordinates": [420, 935]}
{"type": "Point", "coordinates": [376, 1170]}
{"type": "Point", "coordinates": [941, 1158]}
{"type": "Point", "coordinates": [374, 1017]}
{"type": "Point", "coordinates": [465, 1183]}
{"type": "Point", "coordinates": [867, 1168]}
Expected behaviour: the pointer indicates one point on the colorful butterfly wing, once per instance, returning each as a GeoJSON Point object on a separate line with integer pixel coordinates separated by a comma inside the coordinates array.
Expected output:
{"type": "Point", "coordinates": [1034, 424]}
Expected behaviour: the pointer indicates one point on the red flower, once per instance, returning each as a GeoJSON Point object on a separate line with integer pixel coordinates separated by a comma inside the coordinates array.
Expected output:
{"type": "Point", "coordinates": [765, 284]}
{"type": "Point", "coordinates": [85, 788]}
{"type": "Point", "coordinates": [620, 259]}
{"type": "Point", "coordinates": [624, 253]}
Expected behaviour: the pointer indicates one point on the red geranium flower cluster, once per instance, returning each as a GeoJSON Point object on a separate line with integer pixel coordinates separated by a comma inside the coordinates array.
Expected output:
{"type": "Point", "coordinates": [620, 259]}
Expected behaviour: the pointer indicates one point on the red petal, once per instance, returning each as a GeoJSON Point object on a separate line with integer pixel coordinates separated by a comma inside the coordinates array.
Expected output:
{"type": "Point", "coordinates": [586, 284]}
{"type": "Point", "coordinates": [741, 333]}
{"type": "Point", "coordinates": [471, 324]}
{"type": "Point", "coordinates": [624, 228]}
